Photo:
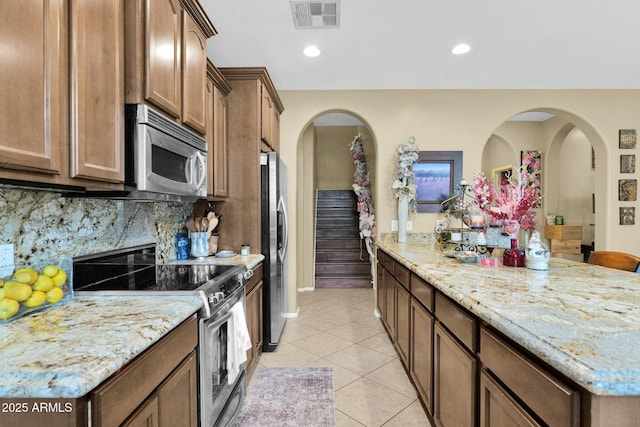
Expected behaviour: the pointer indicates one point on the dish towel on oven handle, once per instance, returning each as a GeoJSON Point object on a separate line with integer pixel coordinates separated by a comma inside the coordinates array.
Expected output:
{"type": "Point", "coordinates": [238, 342]}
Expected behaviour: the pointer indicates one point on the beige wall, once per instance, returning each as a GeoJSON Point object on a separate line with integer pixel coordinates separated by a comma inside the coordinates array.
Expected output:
{"type": "Point", "coordinates": [333, 161]}
{"type": "Point", "coordinates": [465, 120]}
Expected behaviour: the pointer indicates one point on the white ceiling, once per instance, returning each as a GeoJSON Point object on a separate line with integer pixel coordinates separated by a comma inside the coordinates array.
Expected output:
{"type": "Point", "coordinates": [405, 44]}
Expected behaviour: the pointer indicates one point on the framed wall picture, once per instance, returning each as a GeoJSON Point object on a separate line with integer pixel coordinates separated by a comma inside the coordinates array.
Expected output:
{"type": "Point", "coordinates": [533, 158]}
{"type": "Point", "coordinates": [438, 173]}
{"type": "Point", "coordinates": [627, 190]}
{"type": "Point", "coordinates": [627, 163]}
{"type": "Point", "coordinates": [627, 215]}
{"type": "Point", "coordinates": [627, 138]}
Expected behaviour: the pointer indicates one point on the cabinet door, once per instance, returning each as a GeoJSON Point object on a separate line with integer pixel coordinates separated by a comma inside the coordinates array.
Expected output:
{"type": "Point", "coordinates": [498, 409]}
{"type": "Point", "coordinates": [146, 415]}
{"type": "Point", "coordinates": [220, 149]}
{"type": "Point", "coordinates": [194, 75]}
{"type": "Point", "coordinates": [266, 117]}
{"type": "Point", "coordinates": [163, 77]}
{"type": "Point", "coordinates": [97, 90]}
{"type": "Point", "coordinates": [454, 388]}
{"type": "Point", "coordinates": [178, 394]}
{"type": "Point", "coordinates": [381, 295]}
{"type": "Point", "coordinates": [390, 305]}
{"type": "Point", "coordinates": [403, 323]}
{"type": "Point", "coordinates": [250, 304]}
{"type": "Point", "coordinates": [33, 83]}
{"type": "Point", "coordinates": [421, 358]}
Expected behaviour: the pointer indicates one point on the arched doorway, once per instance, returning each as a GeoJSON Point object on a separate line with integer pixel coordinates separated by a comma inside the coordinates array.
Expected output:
{"type": "Point", "coordinates": [324, 161]}
{"type": "Point", "coordinates": [572, 185]}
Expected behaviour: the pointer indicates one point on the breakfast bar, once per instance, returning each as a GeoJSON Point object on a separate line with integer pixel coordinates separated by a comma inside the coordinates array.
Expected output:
{"type": "Point", "coordinates": [575, 323]}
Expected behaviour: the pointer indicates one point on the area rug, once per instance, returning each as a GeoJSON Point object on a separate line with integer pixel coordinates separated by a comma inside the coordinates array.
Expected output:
{"type": "Point", "coordinates": [289, 397]}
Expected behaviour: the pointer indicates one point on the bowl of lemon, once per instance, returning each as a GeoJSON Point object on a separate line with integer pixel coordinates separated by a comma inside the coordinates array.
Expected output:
{"type": "Point", "coordinates": [34, 288]}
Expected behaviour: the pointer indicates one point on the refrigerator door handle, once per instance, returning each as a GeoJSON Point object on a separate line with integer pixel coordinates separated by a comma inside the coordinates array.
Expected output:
{"type": "Point", "coordinates": [282, 252]}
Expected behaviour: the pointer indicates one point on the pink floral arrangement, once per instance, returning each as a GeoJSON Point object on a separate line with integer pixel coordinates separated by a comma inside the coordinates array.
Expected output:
{"type": "Point", "coordinates": [512, 200]}
{"type": "Point", "coordinates": [361, 188]}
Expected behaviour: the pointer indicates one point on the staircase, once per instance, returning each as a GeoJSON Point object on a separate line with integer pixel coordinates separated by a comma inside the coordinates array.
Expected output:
{"type": "Point", "coordinates": [339, 248]}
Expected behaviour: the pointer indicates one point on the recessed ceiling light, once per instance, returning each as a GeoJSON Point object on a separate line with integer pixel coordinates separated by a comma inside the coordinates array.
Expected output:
{"type": "Point", "coordinates": [461, 49]}
{"type": "Point", "coordinates": [311, 51]}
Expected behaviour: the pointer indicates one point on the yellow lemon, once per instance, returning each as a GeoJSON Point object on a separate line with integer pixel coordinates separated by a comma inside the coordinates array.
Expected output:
{"type": "Point", "coordinates": [8, 307]}
{"type": "Point", "coordinates": [43, 283]}
{"type": "Point", "coordinates": [17, 291]}
{"type": "Point", "coordinates": [54, 295]}
{"type": "Point", "coordinates": [59, 278]}
{"type": "Point", "coordinates": [36, 299]}
{"type": "Point", "coordinates": [1, 293]}
{"type": "Point", "coordinates": [50, 270]}
{"type": "Point", "coordinates": [26, 275]}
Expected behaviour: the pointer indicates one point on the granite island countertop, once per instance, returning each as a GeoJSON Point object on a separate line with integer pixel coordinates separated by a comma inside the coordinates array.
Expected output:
{"type": "Point", "coordinates": [68, 350]}
{"type": "Point", "coordinates": [581, 319]}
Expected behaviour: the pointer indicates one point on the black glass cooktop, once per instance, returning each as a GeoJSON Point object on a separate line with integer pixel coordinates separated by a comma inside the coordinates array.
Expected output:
{"type": "Point", "coordinates": [135, 269]}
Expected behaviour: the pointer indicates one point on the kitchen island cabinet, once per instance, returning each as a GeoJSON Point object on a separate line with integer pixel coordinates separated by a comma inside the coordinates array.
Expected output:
{"type": "Point", "coordinates": [101, 361]}
{"type": "Point", "coordinates": [513, 346]}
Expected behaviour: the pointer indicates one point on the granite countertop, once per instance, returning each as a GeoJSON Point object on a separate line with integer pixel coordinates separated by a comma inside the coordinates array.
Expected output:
{"type": "Point", "coordinates": [251, 261]}
{"type": "Point", "coordinates": [68, 350]}
{"type": "Point", "coordinates": [583, 320]}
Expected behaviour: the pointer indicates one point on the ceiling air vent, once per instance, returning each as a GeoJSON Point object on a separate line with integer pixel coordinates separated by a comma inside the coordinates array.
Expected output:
{"type": "Point", "coordinates": [316, 14]}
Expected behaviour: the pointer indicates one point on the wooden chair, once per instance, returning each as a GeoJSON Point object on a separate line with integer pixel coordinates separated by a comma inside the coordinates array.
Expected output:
{"type": "Point", "coordinates": [618, 260]}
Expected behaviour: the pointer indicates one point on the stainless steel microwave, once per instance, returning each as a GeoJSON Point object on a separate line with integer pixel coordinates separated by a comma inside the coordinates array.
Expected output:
{"type": "Point", "coordinates": [163, 160]}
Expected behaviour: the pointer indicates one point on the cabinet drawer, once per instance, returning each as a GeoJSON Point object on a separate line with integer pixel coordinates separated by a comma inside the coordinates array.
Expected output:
{"type": "Point", "coordinates": [403, 275]}
{"type": "Point", "coordinates": [549, 398]}
{"type": "Point", "coordinates": [255, 280]}
{"type": "Point", "coordinates": [422, 291]}
{"type": "Point", "coordinates": [385, 260]}
{"type": "Point", "coordinates": [116, 398]}
{"type": "Point", "coordinates": [461, 324]}
{"type": "Point", "coordinates": [566, 246]}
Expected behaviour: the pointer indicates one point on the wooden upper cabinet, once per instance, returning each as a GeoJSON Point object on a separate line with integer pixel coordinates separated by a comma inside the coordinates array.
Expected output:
{"type": "Point", "coordinates": [218, 150]}
{"type": "Point", "coordinates": [97, 90]}
{"type": "Point", "coordinates": [34, 87]}
{"type": "Point", "coordinates": [166, 58]}
{"type": "Point", "coordinates": [163, 35]}
{"type": "Point", "coordinates": [266, 116]}
{"type": "Point", "coordinates": [194, 74]}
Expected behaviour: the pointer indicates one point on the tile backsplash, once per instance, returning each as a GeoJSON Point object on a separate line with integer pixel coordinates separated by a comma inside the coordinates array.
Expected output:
{"type": "Point", "coordinates": [45, 226]}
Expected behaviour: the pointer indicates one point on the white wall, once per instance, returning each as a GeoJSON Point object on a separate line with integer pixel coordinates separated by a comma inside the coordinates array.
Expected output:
{"type": "Point", "coordinates": [465, 120]}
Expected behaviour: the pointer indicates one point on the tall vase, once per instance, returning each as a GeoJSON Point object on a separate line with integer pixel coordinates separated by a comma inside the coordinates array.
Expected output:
{"type": "Point", "coordinates": [403, 213]}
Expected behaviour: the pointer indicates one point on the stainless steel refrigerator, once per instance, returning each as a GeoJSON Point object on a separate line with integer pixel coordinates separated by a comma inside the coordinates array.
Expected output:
{"type": "Point", "coordinates": [274, 247]}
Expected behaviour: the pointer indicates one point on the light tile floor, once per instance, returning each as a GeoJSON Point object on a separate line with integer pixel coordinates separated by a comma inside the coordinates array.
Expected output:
{"type": "Point", "coordinates": [337, 328]}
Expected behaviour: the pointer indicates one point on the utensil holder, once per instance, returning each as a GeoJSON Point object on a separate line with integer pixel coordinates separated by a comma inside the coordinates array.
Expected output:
{"type": "Point", "coordinates": [199, 245]}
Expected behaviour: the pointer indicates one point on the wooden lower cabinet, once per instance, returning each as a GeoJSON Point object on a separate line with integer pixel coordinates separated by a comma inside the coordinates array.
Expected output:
{"type": "Point", "coordinates": [389, 316]}
{"type": "Point", "coordinates": [498, 408]}
{"type": "Point", "coordinates": [254, 318]}
{"type": "Point", "coordinates": [421, 354]}
{"type": "Point", "coordinates": [403, 322]}
{"type": "Point", "coordinates": [454, 388]}
{"type": "Point", "coordinates": [157, 388]}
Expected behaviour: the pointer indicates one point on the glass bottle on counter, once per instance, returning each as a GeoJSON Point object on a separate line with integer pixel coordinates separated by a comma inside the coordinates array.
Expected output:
{"type": "Point", "coordinates": [537, 253]}
{"type": "Point", "coordinates": [514, 257]}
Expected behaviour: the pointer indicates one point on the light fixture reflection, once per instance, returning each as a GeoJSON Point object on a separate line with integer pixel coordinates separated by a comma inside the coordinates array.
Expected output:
{"type": "Point", "coordinates": [461, 49]}
{"type": "Point", "coordinates": [311, 51]}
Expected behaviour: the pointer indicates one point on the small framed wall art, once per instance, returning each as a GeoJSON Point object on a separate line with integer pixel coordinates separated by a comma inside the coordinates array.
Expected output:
{"type": "Point", "coordinates": [627, 163]}
{"type": "Point", "coordinates": [627, 138]}
{"type": "Point", "coordinates": [627, 190]}
{"type": "Point", "coordinates": [627, 215]}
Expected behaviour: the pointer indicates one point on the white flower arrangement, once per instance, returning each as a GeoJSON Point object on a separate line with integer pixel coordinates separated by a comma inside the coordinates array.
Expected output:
{"type": "Point", "coordinates": [404, 177]}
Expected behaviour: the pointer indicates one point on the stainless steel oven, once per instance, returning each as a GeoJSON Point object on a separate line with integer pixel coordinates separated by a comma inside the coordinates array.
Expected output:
{"type": "Point", "coordinates": [221, 287]}
{"type": "Point", "coordinates": [226, 396]}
